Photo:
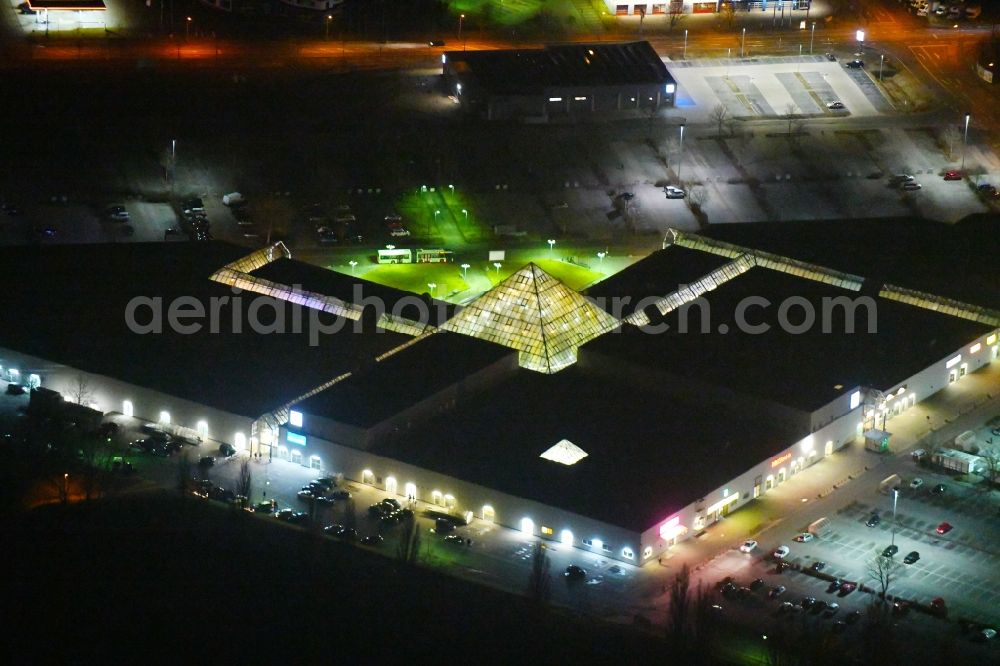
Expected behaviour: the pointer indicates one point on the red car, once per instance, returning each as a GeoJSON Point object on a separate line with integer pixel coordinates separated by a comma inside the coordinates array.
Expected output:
{"type": "Point", "coordinates": [952, 175]}
{"type": "Point", "coordinates": [943, 528]}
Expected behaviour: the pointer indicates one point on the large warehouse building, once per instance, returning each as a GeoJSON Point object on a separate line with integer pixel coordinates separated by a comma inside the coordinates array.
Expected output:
{"type": "Point", "coordinates": [558, 81]}
{"type": "Point", "coordinates": [621, 422]}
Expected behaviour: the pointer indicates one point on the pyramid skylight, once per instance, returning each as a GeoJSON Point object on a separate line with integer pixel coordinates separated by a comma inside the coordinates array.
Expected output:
{"type": "Point", "coordinates": [536, 314]}
{"type": "Point", "coordinates": [565, 452]}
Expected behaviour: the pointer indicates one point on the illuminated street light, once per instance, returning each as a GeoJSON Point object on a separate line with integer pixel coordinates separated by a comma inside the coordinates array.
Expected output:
{"type": "Point", "coordinates": [965, 138]}
{"type": "Point", "coordinates": [436, 213]}
{"type": "Point", "coordinates": [860, 34]}
{"type": "Point", "coordinates": [353, 264]}
{"type": "Point", "coordinates": [390, 247]}
{"type": "Point", "coordinates": [496, 265]}
{"type": "Point", "coordinates": [680, 154]}
{"type": "Point", "coordinates": [328, 19]}
{"type": "Point", "coordinates": [881, 62]}
{"type": "Point", "coordinates": [461, 18]}
{"type": "Point", "coordinates": [812, 36]}
{"type": "Point", "coordinates": [685, 44]}
{"type": "Point", "coordinates": [895, 498]}
{"type": "Point", "coordinates": [465, 270]}
{"type": "Point", "coordinates": [466, 214]}
{"type": "Point", "coordinates": [743, 42]}
{"type": "Point", "coordinates": [552, 244]}
{"type": "Point", "coordinates": [187, 28]}
{"type": "Point", "coordinates": [601, 255]}
{"type": "Point", "coordinates": [433, 287]}
{"type": "Point", "coordinates": [452, 188]}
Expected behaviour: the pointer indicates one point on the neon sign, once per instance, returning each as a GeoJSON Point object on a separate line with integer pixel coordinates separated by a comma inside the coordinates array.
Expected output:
{"type": "Point", "coordinates": [780, 459]}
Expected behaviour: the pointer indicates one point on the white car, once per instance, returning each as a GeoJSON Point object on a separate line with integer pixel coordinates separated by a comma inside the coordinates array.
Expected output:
{"type": "Point", "coordinates": [399, 232]}
{"type": "Point", "coordinates": [781, 552]}
{"type": "Point", "coordinates": [674, 192]}
{"type": "Point", "coordinates": [836, 106]}
{"type": "Point", "coordinates": [804, 537]}
{"type": "Point", "coordinates": [911, 187]}
{"type": "Point", "coordinates": [988, 634]}
{"type": "Point", "coordinates": [916, 483]}
{"type": "Point", "coordinates": [748, 546]}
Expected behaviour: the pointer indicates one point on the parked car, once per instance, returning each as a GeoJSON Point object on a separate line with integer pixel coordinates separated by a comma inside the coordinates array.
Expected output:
{"type": "Point", "coordinates": [836, 106]}
{"type": "Point", "coordinates": [952, 175]}
{"type": "Point", "coordinates": [372, 540]}
{"type": "Point", "coordinates": [807, 602]}
{"type": "Point", "coordinates": [943, 528]}
{"type": "Point", "coordinates": [818, 566]}
{"type": "Point", "coordinates": [436, 42]}
{"type": "Point", "coordinates": [805, 537]}
{"type": "Point", "coordinates": [853, 617]}
{"type": "Point", "coordinates": [890, 550]}
{"type": "Point", "coordinates": [855, 64]}
{"type": "Point", "coordinates": [117, 213]}
{"type": "Point", "coordinates": [748, 546]}
{"type": "Point", "coordinates": [454, 540]}
{"type": "Point", "coordinates": [781, 552]}
{"type": "Point", "coordinates": [227, 450]}
{"type": "Point", "coordinates": [15, 389]}
{"type": "Point", "coordinates": [911, 187]}
{"type": "Point", "coordinates": [776, 591]}
{"type": "Point", "coordinates": [672, 192]}
{"type": "Point", "coordinates": [831, 609]}
{"type": "Point", "coordinates": [911, 557]}
{"type": "Point", "coordinates": [916, 483]}
{"type": "Point", "coordinates": [340, 495]}
{"type": "Point", "coordinates": [573, 572]}
{"type": "Point", "coordinates": [847, 587]}
{"type": "Point", "coordinates": [938, 489]}
{"type": "Point", "coordinates": [834, 585]}
{"type": "Point", "coordinates": [206, 461]}
{"type": "Point", "coordinates": [874, 520]}
{"type": "Point", "coordinates": [264, 507]}
{"type": "Point", "coordinates": [757, 583]}
{"type": "Point", "coordinates": [831, 57]}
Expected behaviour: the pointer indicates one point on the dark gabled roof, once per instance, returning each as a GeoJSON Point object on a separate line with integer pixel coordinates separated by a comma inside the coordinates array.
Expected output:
{"type": "Point", "coordinates": [350, 289]}
{"type": "Point", "coordinates": [66, 304]}
{"type": "Point", "coordinates": [646, 455]}
{"type": "Point", "coordinates": [656, 276]}
{"type": "Point", "coordinates": [958, 261]}
{"type": "Point", "coordinates": [403, 379]}
{"type": "Point", "coordinates": [798, 370]}
{"type": "Point", "coordinates": [534, 70]}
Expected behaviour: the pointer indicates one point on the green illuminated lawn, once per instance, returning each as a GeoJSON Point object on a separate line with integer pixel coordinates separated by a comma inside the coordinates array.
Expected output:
{"type": "Point", "coordinates": [444, 213]}
{"type": "Point", "coordinates": [574, 277]}
{"type": "Point", "coordinates": [416, 277]}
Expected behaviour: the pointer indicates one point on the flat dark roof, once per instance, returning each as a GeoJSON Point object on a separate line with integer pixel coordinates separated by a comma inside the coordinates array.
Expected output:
{"type": "Point", "coordinates": [67, 303]}
{"type": "Point", "coordinates": [956, 261]}
{"type": "Point", "coordinates": [649, 455]}
{"type": "Point", "coordinates": [658, 275]}
{"type": "Point", "coordinates": [404, 379]}
{"type": "Point", "coordinates": [349, 289]}
{"type": "Point", "coordinates": [796, 370]}
{"type": "Point", "coordinates": [534, 70]}
{"type": "Point", "coordinates": [69, 5]}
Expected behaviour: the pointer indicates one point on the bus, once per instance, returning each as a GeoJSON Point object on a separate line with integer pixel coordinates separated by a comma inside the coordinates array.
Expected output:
{"type": "Point", "coordinates": [434, 256]}
{"type": "Point", "coordinates": [395, 256]}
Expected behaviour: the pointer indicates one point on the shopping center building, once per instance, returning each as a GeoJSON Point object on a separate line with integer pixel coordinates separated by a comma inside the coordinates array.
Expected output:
{"type": "Point", "coordinates": [619, 421]}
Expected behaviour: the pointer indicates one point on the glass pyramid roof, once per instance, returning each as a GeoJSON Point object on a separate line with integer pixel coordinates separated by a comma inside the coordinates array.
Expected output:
{"type": "Point", "coordinates": [536, 314]}
{"type": "Point", "coordinates": [565, 452]}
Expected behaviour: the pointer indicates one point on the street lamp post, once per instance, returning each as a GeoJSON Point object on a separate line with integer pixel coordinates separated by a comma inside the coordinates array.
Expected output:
{"type": "Point", "coordinates": [680, 154]}
{"type": "Point", "coordinates": [436, 213]}
{"type": "Point", "coordinates": [353, 264]}
{"type": "Point", "coordinates": [601, 255]}
{"type": "Point", "coordinates": [465, 271]}
{"type": "Point", "coordinates": [743, 42]}
{"type": "Point", "coordinates": [881, 62]}
{"type": "Point", "coordinates": [328, 19]}
{"type": "Point", "coordinates": [466, 214]}
{"type": "Point", "coordinates": [895, 498]}
{"type": "Point", "coordinates": [461, 18]}
{"type": "Point", "coordinates": [496, 265]}
{"type": "Point", "coordinates": [433, 287]}
{"type": "Point", "coordinates": [187, 28]}
{"type": "Point", "coordinates": [812, 37]}
{"type": "Point", "coordinates": [965, 138]}
{"type": "Point", "coordinates": [685, 44]}
{"type": "Point", "coordinates": [552, 244]}
{"type": "Point", "coordinates": [860, 34]}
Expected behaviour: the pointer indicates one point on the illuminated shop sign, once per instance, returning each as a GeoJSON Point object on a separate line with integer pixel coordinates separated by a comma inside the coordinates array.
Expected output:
{"type": "Point", "coordinates": [295, 438]}
{"type": "Point", "coordinates": [780, 459]}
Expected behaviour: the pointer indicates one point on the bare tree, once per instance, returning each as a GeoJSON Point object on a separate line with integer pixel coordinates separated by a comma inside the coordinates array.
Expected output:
{"type": "Point", "coordinates": [183, 472]}
{"type": "Point", "coordinates": [408, 550]}
{"type": "Point", "coordinates": [950, 136]}
{"type": "Point", "coordinates": [676, 12]}
{"type": "Point", "coordinates": [728, 11]}
{"type": "Point", "coordinates": [697, 195]}
{"type": "Point", "coordinates": [539, 580]}
{"type": "Point", "coordinates": [883, 570]}
{"type": "Point", "coordinates": [350, 515]}
{"type": "Point", "coordinates": [719, 114]}
{"type": "Point", "coordinates": [244, 482]}
{"type": "Point", "coordinates": [991, 460]}
{"type": "Point", "coordinates": [80, 391]}
{"type": "Point", "coordinates": [678, 612]}
{"type": "Point", "coordinates": [790, 112]}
